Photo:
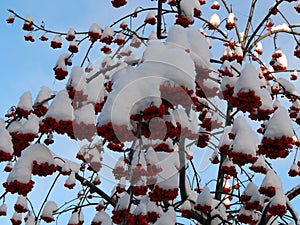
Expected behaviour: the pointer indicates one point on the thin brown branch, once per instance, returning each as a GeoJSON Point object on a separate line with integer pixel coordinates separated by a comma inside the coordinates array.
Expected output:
{"type": "Point", "coordinates": [3, 195]}
{"type": "Point", "coordinates": [292, 211]}
{"type": "Point", "coordinates": [294, 192]}
{"type": "Point", "coordinates": [271, 33]}
{"type": "Point", "coordinates": [46, 198]}
{"type": "Point", "coordinates": [235, 27]}
{"type": "Point", "coordinates": [261, 24]}
{"type": "Point", "coordinates": [159, 17]}
{"type": "Point", "coordinates": [216, 28]}
{"type": "Point", "coordinates": [87, 53]}
{"type": "Point", "coordinates": [220, 179]}
{"type": "Point", "coordinates": [40, 27]}
{"type": "Point", "coordinates": [95, 189]}
{"type": "Point", "coordinates": [248, 25]}
{"type": "Point", "coordinates": [136, 12]}
{"type": "Point", "coordinates": [287, 21]}
{"type": "Point", "coordinates": [199, 217]}
{"type": "Point", "coordinates": [182, 174]}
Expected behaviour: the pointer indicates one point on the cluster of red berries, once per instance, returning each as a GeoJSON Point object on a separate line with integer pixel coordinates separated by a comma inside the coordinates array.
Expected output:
{"type": "Point", "coordinates": [50, 124]}
{"type": "Point", "coordinates": [43, 169]}
{"type": "Point", "coordinates": [160, 194]}
{"type": "Point", "coordinates": [21, 141]}
{"type": "Point", "coordinates": [18, 187]}
{"type": "Point", "coordinates": [276, 148]}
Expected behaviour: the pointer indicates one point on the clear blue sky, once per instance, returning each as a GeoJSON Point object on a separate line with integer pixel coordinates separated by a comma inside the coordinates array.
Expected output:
{"type": "Point", "coordinates": [27, 66]}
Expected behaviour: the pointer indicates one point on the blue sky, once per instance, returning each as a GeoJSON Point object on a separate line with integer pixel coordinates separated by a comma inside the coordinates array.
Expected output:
{"type": "Point", "coordinates": [27, 66]}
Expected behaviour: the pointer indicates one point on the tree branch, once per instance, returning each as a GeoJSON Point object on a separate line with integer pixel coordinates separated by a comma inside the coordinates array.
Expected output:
{"type": "Point", "coordinates": [249, 22]}
{"type": "Point", "coordinates": [182, 160]}
{"type": "Point", "coordinates": [235, 27]}
{"type": "Point", "coordinates": [261, 23]}
{"type": "Point", "coordinates": [40, 27]}
{"type": "Point", "coordinates": [95, 189]}
{"type": "Point", "coordinates": [159, 15]}
{"type": "Point", "coordinates": [271, 33]}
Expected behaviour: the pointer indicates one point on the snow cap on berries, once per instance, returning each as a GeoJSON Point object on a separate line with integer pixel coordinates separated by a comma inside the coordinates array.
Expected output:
{"type": "Point", "coordinates": [61, 107]}
{"type": "Point", "coordinates": [76, 218]}
{"type": "Point", "coordinates": [6, 145]}
{"type": "Point", "coordinates": [102, 218]}
{"type": "Point", "coordinates": [248, 81]}
{"type": "Point", "coordinates": [47, 213]}
{"type": "Point", "coordinates": [271, 184]}
{"type": "Point", "coordinates": [3, 209]}
{"type": "Point", "coordinates": [279, 125]}
{"type": "Point", "coordinates": [204, 200]}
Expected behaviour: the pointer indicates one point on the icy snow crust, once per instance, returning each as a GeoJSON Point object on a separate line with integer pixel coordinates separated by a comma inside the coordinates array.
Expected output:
{"type": "Point", "coordinates": [172, 64]}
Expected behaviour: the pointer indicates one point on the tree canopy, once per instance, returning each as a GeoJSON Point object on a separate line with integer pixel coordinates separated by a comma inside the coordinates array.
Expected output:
{"type": "Point", "coordinates": [184, 111]}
